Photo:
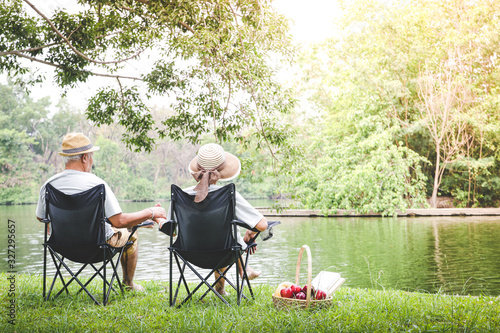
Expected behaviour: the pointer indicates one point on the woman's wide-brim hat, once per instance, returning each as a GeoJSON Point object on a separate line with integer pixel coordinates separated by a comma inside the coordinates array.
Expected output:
{"type": "Point", "coordinates": [212, 156]}
{"type": "Point", "coordinates": [76, 144]}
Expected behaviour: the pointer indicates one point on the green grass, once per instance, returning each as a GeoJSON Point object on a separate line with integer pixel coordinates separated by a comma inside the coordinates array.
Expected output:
{"type": "Point", "coordinates": [353, 310]}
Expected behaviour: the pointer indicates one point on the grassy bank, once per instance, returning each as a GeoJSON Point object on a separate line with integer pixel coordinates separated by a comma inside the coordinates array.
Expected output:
{"type": "Point", "coordinates": [354, 310]}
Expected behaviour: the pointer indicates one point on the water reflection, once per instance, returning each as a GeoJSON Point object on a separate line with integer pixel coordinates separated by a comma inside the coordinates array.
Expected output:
{"type": "Point", "coordinates": [456, 254]}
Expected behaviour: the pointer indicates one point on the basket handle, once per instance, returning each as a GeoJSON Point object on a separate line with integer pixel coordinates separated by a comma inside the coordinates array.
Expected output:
{"type": "Point", "coordinates": [309, 272]}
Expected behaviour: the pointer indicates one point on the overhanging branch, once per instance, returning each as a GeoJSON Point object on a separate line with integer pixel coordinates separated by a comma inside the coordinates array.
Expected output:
{"type": "Point", "coordinates": [71, 46]}
{"type": "Point", "coordinates": [60, 66]}
{"type": "Point", "coordinates": [33, 49]}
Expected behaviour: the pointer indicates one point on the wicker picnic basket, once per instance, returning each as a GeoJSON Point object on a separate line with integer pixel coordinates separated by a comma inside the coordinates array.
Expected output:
{"type": "Point", "coordinates": [291, 303]}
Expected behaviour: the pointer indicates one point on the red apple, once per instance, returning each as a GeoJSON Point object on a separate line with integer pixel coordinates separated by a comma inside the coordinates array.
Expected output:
{"type": "Point", "coordinates": [295, 289]}
{"type": "Point", "coordinates": [305, 291]}
{"type": "Point", "coordinates": [300, 295]}
{"type": "Point", "coordinates": [320, 294]}
{"type": "Point", "coordinates": [286, 292]}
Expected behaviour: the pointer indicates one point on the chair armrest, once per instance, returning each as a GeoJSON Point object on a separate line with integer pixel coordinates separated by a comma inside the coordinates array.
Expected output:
{"type": "Point", "coordinates": [244, 225]}
{"type": "Point", "coordinates": [268, 233]}
{"type": "Point", "coordinates": [145, 224]}
{"type": "Point", "coordinates": [270, 224]}
{"type": "Point", "coordinates": [168, 227]}
{"type": "Point", "coordinates": [265, 235]}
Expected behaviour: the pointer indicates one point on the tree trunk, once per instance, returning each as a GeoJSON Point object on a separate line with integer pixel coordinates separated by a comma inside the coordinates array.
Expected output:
{"type": "Point", "coordinates": [157, 173]}
{"type": "Point", "coordinates": [436, 179]}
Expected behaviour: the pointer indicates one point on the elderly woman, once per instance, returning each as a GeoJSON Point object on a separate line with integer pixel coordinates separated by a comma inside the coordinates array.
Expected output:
{"type": "Point", "coordinates": [213, 164]}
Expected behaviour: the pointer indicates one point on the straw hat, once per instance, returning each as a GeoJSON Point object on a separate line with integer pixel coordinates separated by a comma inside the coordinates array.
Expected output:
{"type": "Point", "coordinates": [75, 144]}
{"type": "Point", "coordinates": [211, 156]}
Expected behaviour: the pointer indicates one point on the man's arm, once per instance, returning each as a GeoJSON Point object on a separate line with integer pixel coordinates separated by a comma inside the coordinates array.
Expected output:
{"type": "Point", "coordinates": [128, 220]}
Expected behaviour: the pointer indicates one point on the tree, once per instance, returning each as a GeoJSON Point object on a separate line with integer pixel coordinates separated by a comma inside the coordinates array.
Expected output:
{"type": "Point", "coordinates": [362, 170]}
{"type": "Point", "coordinates": [445, 102]}
{"type": "Point", "coordinates": [217, 62]}
{"type": "Point", "coordinates": [17, 165]}
{"type": "Point", "coordinates": [365, 81]}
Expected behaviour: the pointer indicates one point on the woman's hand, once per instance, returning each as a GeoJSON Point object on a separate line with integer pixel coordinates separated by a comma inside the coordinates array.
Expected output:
{"type": "Point", "coordinates": [249, 235]}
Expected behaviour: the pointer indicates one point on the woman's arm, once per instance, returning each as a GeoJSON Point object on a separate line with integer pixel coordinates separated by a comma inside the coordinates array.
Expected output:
{"type": "Point", "coordinates": [261, 226]}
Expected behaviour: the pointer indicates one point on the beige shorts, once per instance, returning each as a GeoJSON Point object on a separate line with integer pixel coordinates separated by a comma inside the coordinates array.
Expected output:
{"type": "Point", "coordinates": [120, 238]}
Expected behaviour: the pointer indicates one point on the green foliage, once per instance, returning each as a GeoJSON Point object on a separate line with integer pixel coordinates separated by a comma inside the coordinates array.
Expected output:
{"type": "Point", "coordinates": [127, 109]}
{"type": "Point", "coordinates": [215, 62]}
{"type": "Point", "coordinates": [364, 82]}
{"type": "Point", "coordinates": [110, 164]}
{"type": "Point", "coordinates": [18, 174]}
{"type": "Point", "coordinates": [18, 169]}
{"type": "Point", "coordinates": [140, 189]}
{"type": "Point", "coordinates": [30, 140]}
{"type": "Point", "coordinates": [468, 182]}
{"type": "Point", "coordinates": [363, 174]}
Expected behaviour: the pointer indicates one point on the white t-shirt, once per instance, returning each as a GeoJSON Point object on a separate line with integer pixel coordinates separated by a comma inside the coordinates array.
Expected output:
{"type": "Point", "coordinates": [72, 182]}
{"type": "Point", "coordinates": [245, 212]}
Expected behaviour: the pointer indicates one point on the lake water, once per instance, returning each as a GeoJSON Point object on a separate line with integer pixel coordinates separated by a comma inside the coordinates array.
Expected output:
{"type": "Point", "coordinates": [458, 255]}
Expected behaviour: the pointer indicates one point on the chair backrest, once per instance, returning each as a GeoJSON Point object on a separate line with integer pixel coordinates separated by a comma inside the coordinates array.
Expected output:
{"type": "Point", "coordinates": [204, 226]}
{"type": "Point", "coordinates": [77, 220]}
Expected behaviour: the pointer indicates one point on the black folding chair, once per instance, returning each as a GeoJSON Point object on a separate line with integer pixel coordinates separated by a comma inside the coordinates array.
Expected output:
{"type": "Point", "coordinates": [78, 234]}
{"type": "Point", "coordinates": [206, 238]}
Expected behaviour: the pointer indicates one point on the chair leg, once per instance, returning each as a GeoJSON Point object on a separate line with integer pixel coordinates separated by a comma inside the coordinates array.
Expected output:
{"type": "Point", "coordinates": [222, 275]}
{"type": "Point", "coordinates": [173, 296]}
{"type": "Point", "coordinates": [203, 281]}
{"type": "Point", "coordinates": [115, 267]}
{"type": "Point", "coordinates": [170, 279]}
{"type": "Point", "coordinates": [104, 279]}
{"type": "Point", "coordinates": [238, 291]}
{"type": "Point", "coordinates": [181, 279]}
{"type": "Point", "coordinates": [74, 278]}
{"type": "Point", "coordinates": [245, 275]}
{"type": "Point", "coordinates": [114, 276]}
{"type": "Point", "coordinates": [54, 281]}
{"type": "Point", "coordinates": [44, 266]}
{"type": "Point", "coordinates": [57, 263]}
{"type": "Point", "coordinates": [97, 273]}
{"type": "Point", "coordinates": [239, 287]}
{"type": "Point", "coordinates": [109, 284]}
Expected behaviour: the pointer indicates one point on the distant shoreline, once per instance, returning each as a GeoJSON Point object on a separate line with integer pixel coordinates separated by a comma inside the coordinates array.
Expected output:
{"type": "Point", "coordinates": [407, 213]}
{"type": "Point", "coordinates": [417, 212]}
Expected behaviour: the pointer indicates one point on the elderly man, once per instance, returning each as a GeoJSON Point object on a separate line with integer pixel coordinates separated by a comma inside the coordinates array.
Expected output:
{"type": "Point", "coordinates": [77, 151]}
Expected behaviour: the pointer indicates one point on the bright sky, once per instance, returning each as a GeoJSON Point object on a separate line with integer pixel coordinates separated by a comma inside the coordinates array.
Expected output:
{"type": "Point", "coordinates": [312, 22]}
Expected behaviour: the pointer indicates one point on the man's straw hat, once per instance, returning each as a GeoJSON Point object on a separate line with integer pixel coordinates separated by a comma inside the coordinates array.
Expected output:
{"type": "Point", "coordinates": [211, 156]}
{"type": "Point", "coordinates": [75, 144]}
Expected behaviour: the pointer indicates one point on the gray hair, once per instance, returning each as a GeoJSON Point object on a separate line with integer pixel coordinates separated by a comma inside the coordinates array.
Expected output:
{"type": "Point", "coordinates": [67, 159]}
